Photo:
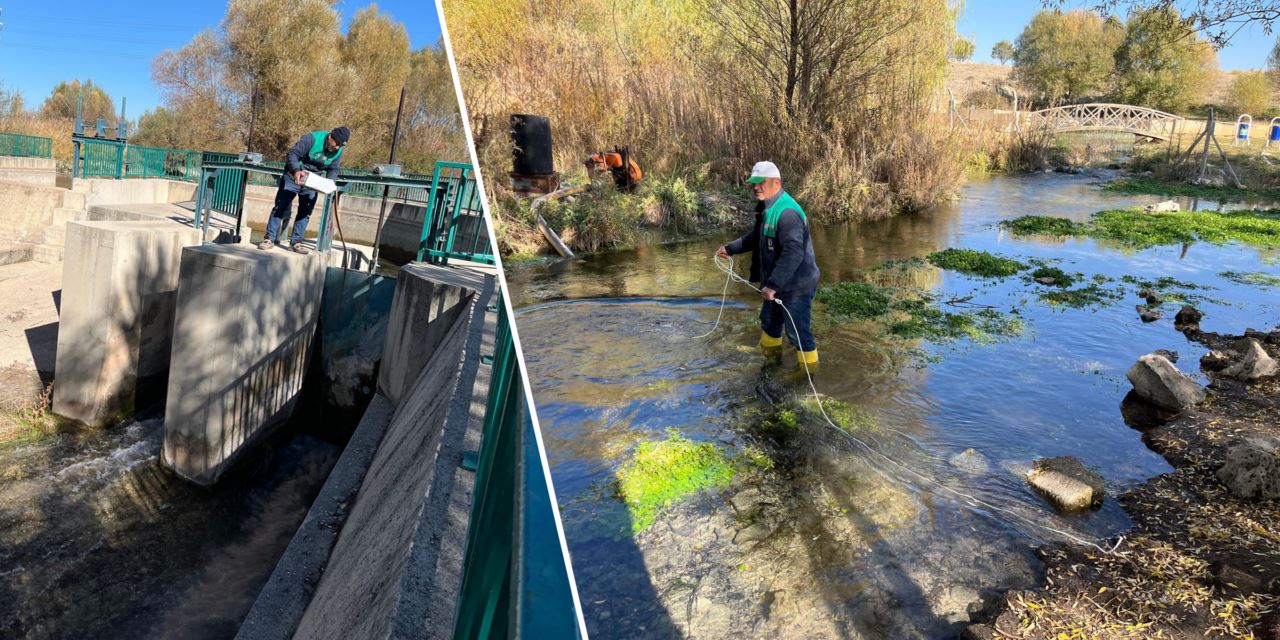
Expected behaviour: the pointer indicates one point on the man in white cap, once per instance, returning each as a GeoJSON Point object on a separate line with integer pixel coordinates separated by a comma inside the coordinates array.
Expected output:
{"type": "Point", "coordinates": [782, 261]}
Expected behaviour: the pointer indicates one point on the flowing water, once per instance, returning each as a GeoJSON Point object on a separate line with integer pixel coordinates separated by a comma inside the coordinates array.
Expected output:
{"type": "Point", "coordinates": [841, 542]}
{"type": "Point", "coordinates": [97, 540]}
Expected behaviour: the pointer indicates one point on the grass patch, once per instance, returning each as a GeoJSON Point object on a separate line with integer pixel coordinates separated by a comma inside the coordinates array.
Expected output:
{"type": "Point", "coordinates": [1060, 278]}
{"type": "Point", "coordinates": [1153, 186]}
{"type": "Point", "coordinates": [1043, 226]}
{"type": "Point", "coordinates": [663, 471]}
{"type": "Point", "coordinates": [1140, 229]}
{"type": "Point", "coordinates": [1257, 279]}
{"type": "Point", "coordinates": [975, 263]}
{"type": "Point", "coordinates": [927, 321]}
{"type": "Point", "coordinates": [848, 301]}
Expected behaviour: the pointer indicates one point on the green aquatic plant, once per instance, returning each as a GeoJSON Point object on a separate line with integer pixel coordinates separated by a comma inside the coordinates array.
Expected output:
{"type": "Point", "coordinates": [1254, 278]}
{"type": "Point", "coordinates": [844, 415]}
{"type": "Point", "coordinates": [925, 320]}
{"type": "Point", "coordinates": [663, 471]}
{"type": "Point", "coordinates": [1043, 226]}
{"type": "Point", "coordinates": [1141, 229]}
{"type": "Point", "coordinates": [1153, 186]}
{"type": "Point", "coordinates": [1060, 278]}
{"type": "Point", "coordinates": [847, 301]}
{"type": "Point", "coordinates": [976, 263]}
{"type": "Point", "coordinates": [1079, 298]}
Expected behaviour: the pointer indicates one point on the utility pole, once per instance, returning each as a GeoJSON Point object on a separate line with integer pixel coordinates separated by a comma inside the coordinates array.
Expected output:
{"type": "Point", "coordinates": [382, 210]}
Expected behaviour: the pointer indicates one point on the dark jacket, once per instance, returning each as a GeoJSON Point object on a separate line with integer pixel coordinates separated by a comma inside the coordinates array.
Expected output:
{"type": "Point", "coordinates": [784, 263]}
{"type": "Point", "coordinates": [297, 159]}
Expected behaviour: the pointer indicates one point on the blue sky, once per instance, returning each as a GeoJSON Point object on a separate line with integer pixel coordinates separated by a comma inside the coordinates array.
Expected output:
{"type": "Point", "coordinates": [113, 43]}
{"type": "Point", "coordinates": [990, 21]}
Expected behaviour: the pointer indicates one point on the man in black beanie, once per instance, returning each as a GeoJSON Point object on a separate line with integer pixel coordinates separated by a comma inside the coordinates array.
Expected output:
{"type": "Point", "coordinates": [315, 152]}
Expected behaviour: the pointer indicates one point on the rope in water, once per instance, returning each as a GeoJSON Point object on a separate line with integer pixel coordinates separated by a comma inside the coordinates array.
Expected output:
{"type": "Point", "coordinates": [731, 276]}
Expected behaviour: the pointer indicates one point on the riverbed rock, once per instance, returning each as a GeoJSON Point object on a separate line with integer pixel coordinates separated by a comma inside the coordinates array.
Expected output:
{"type": "Point", "coordinates": [1168, 206]}
{"type": "Point", "coordinates": [753, 533]}
{"type": "Point", "coordinates": [1251, 469]}
{"type": "Point", "coordinates": [1254, 362]}
{"type": "Point", "coordinates": [1171, 356]}
{"type": "Point", "coordinates": [1067, 483]}
{"type": "Point", "coordinates": [1188, 317]}
{"type": "Point", "coordinates": [1160, 383]}
{"type": "Point", "coordinates": [1046, 280]}
{"type": "Point", "coordinates": [970, 461]}
{"type": "Point", "coordinates": [1214, 361]}
{"type": "Point", "coordinates": [1148, 315]}
{"type": "Point", "coordinates": [747, 501]}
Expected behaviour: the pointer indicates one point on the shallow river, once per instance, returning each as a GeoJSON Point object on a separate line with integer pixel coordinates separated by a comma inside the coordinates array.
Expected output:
{"type": "Point", "coordinates": [856, 541]}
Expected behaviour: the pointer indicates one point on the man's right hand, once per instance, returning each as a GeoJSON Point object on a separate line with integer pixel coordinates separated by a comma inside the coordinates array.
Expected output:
{"type": "Point", "coordinates": [299, 177]}
{"type": "Point", "coordinates": [722, 253]}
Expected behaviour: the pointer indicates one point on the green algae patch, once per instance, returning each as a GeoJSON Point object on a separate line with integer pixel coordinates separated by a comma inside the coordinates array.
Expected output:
{"type": "Point", "coordinates": [662, 472]}
{"type": "Point", "coordinates": [1060, 278]}
{"type": "Point", "coordinates": [927, 321]}
{"type": "Point", "coordinates": [975, 263]}
{"type": "Point", "coordinates": [1152, 186]}
{"type": "Point", "coordinates": [1089, 295]}
{"type": "Point", "coordinates": [846, 416]}
{"type": "Point", "coordinates": [849, 301]}
{"type": "Point", "coordinates": [1043, 226]}
{"type": "Point", "coordinates": [1256, 279]}
{"type": "Point", "coordinates": [1141, 229]}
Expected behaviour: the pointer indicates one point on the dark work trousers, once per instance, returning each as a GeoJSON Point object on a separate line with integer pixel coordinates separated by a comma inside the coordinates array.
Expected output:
{"type": "Point", "coordinates": [284, 201]}
{"type": "Point", "coordinates": [773, 320]}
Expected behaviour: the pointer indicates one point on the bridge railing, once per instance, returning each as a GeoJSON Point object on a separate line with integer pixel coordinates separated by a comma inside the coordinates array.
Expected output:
{"type": "Point", "coordinates": [25, 146]}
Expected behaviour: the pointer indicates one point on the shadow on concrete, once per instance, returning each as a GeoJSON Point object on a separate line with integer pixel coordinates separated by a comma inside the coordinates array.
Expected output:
{"type": "Point", "coordinates": [57, 300]}
{"type": "Point", "coordinates": [43, 343]}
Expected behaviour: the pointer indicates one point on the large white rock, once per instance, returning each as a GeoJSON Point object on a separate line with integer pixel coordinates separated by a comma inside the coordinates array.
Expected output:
{"type": "Point", "coordinates": [1254, 362]}
{"type": "Point", "coordinates": [1157, 381]}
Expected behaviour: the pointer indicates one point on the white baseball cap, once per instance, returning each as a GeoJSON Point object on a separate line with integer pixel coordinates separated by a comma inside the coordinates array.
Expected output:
{"type": "Point", "coordinates": [763, 170]}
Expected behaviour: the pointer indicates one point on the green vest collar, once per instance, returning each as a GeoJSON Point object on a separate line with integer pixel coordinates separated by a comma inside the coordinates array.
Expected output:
{"type": "Point", "coordinates": [317, 149]}
{"type": "Point", "coordinates": [783, 202]}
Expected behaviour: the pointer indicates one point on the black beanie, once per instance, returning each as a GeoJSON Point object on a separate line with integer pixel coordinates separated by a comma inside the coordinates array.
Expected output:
{"type": "Point", "coordinates": [341, 135]}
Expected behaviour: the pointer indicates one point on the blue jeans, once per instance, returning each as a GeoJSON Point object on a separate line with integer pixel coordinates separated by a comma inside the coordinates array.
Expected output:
{"type": "Point", "coordinates": [773, 320]}
{"type": "Point", "coordinates": [284, 201]}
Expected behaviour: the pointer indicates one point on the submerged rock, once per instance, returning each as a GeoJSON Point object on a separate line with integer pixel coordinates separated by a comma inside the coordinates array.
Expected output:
{"type": "Point", "coordinates": [1162, 207]}
{"type": "Point", "coordinates": [1254, 362]}
{"type": "Point", "coordinates": [1188, 317]}
{"type": "Point", "coordinates": [1066, 483]}
{"type": "Point", "coordinates": [1046, 280]}
{"type": "Point", "coordinates": [1157, 381]}
{"type": "Point", "coordinates": [1252, 469]}
{"type": "Point", "coordinates": [970, 461]}
{"type": "Point", "coordinates": [1171, 356]}
{"type": "Point", "coordinates": [1148, 315]}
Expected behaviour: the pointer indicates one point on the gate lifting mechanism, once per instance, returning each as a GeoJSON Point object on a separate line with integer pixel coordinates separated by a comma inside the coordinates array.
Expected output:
{"type": "Point", "coordinates": [1243, 124]}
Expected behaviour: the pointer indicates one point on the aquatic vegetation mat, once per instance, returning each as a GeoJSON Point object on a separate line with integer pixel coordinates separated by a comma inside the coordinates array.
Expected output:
{"type": "Point", "coordinates": [1254, 278]}
{"type": "Point", "coordinates": [975, 263]}
{"type": "Point", "coordinates": [663, 471]}
{"type": "Point", "coordinates": [1140, 229]}
{"type": "Point", "coordinates": [926, 320]}
{"type": "Point", "coordinates": [847, 301]}
{"type": "Point", "coordinates": [1059, 277]}
{"type": "Point", "coordinates": [1087, 296]}
{"type": "Point", "coordinates": [1153, 186]}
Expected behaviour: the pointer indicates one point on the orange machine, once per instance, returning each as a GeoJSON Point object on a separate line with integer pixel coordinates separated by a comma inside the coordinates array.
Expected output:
{"type": "Point", "coordinates": [620, 165]}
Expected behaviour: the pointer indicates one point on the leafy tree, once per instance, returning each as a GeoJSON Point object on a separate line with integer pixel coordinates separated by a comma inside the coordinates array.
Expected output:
{"type": "Point", "coordinates": [1250, 93]}
{"type": "Point", "coordinates": [1215, 20]}
{"type": "Point", "coordinates": [962, 48]}
{"type": "Point", "coordinates": [61, 102]}
{"type": "Point", "coordinates": [1065, 56]}
{"type": "Point", "coordinates": [1002, 51]}
{"type": "Point", "coordinates": [1161, 63]}
{"type": "Point", "coordinates": [12, 104]}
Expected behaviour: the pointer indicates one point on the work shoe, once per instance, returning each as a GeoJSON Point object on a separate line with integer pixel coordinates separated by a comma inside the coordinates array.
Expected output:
{"type": "Point", "coordinates": [807, 358]}
{"type": "Point", "coordinates": [299, 248]}
{"type": "Point", "coordinates": [266, 244]}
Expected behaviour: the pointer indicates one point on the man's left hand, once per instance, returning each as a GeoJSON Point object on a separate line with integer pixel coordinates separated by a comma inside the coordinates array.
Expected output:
{"type": "Point", "coordinates": [768, 294]}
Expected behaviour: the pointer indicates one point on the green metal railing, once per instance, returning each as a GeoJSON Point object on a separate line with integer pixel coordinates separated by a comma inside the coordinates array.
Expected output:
{"type": "Point", "coordinates": [515, 577]}
{"type": "Point", "coordinates": [454, 224]}
{"type": "Point", "coordinates": [25, 146]}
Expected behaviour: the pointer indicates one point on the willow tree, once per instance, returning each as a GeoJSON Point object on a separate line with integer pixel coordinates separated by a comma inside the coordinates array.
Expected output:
{"type": "Point", "coordinates": [1161, 63]}
{"type": "Point", "coordinates": [1066, 56]}
{"type": "Point", "coordinates": [62, 101]}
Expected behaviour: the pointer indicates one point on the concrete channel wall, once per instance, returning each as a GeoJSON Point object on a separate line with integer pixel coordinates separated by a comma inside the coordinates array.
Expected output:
{"type": "Point", "coordinates": [120, 281]}
{"type": "Point", "coordinates": [379, 554]}
{"type": "Point", "coordinates": [38, 171]}
{"type": "Point", "coordinates": [242, 341]}
{"type": "Point", "coordinates": [401, 228]}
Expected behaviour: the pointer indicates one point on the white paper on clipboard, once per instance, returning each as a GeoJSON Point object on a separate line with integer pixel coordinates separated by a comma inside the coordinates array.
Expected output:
{"type": "Point", "coordinates": [319, 183]}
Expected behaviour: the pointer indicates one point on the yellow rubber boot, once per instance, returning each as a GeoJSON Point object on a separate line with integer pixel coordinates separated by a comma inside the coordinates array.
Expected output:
{"type": "Point", "coordinates": [809, 358]}
{"type": "Point", "coordinates": [771, 347]}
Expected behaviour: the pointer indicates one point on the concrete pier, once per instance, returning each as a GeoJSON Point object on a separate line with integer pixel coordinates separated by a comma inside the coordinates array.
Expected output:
{"type": "Point", "coordinates": [120, 282]}
{"type": "Point", "coordinates": [244, 324]}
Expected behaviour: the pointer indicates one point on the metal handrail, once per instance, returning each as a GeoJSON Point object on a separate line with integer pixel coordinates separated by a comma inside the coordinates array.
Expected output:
{"type": "Point", "coordinates": [454, 204]}
{"type": "Point", "coordinates": [21, 145]}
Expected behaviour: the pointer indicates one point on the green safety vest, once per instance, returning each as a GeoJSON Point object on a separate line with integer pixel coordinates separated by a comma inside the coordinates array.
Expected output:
{"type": "Point", "coordinates": [317, 148]}
{"type": "Point", "coordinates": [784, 202]}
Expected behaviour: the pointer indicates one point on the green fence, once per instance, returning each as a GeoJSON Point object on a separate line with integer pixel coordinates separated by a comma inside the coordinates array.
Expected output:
{"type": "Point", "coordinates": [24, 146]}
{"type": "Point", "coordinates": [515, 578]}
{"type": "Point", "coordinates": [454, 225]}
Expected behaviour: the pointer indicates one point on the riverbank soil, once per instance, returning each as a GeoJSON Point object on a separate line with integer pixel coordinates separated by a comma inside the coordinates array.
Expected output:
{"type": "Point", "coordinates": [28, 340]}
{"type": "Point", "coordinates": [1199, 562]}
